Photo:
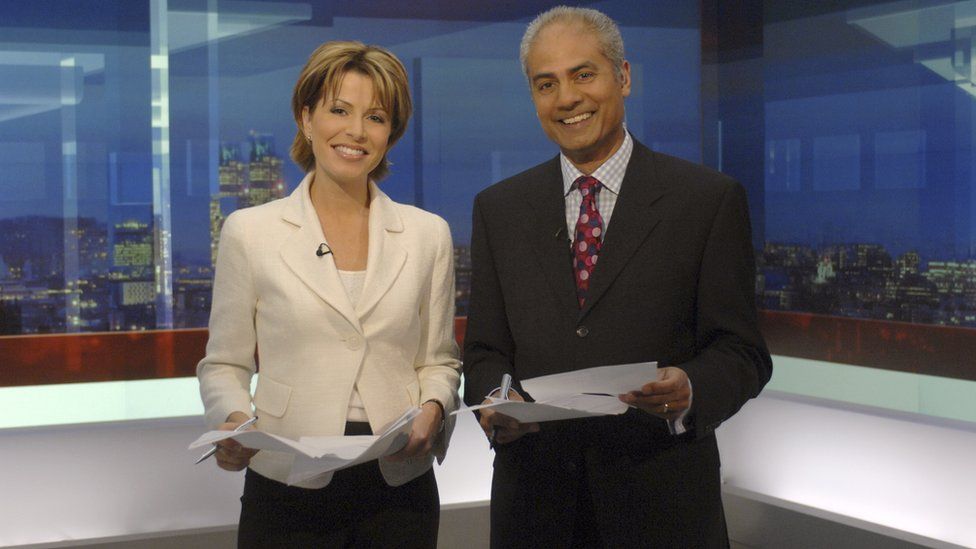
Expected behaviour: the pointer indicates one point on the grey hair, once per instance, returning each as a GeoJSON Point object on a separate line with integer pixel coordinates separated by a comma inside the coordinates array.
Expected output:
{"type": "Point", "coordinates": [605, 29]}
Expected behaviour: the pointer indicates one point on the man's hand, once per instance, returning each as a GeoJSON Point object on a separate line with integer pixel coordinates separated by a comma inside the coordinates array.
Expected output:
{"type": "Point", "coordinates": [230, 455]}
{"type": "Point", "coordinates": [425, 428]}
{"type": "Point", "coordinates": [506, 429]}
{"type": "Point", "coordinates": [666, 398]}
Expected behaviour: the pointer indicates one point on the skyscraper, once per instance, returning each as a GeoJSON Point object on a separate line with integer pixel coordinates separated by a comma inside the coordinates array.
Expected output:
{"type": "Point", "coordinates": [243, 185]}
{"type": "Point", "coordinates": [133, 277]}
{"type": "Point", "coordinates": [264, 178]}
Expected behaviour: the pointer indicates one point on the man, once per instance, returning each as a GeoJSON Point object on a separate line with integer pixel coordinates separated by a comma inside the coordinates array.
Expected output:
{"type": "Point", "coordinates": [609, 254]}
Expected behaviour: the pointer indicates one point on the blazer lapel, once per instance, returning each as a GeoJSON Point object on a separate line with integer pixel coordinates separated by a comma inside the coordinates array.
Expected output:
{"type": "Point", "coordinates": [549, 237]}
{"type": "Point", "coordinates": [633, 219]}
{"type": "Point", "coordinates": [386, 256]}
{"type": "Point", "coordinates": [298, 253]}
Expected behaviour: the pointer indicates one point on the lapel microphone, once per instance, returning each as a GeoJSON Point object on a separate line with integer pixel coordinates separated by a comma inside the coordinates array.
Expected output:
{"type": "Point", "coordinates": [323, 250]}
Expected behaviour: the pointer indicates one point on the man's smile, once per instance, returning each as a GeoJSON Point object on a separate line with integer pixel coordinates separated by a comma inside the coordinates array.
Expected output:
{"type": "Point", "coordinates": [576, 119]}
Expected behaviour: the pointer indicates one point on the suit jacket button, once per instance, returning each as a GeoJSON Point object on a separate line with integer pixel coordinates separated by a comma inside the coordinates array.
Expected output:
{"type": "Point", "coordinates": [582, 331]}
{"type": "Point", "coordinates": [354, 343]}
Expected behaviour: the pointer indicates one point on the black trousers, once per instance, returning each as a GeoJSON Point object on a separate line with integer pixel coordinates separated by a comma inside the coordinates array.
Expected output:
{"type": "Point", "coordinates": [357, 509]}
{"type": "Point", "coordinates": [584, 484]}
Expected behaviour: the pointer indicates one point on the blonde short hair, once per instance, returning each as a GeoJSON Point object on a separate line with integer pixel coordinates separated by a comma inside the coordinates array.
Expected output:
{"type": "Point", "coordinates": [322, 76]}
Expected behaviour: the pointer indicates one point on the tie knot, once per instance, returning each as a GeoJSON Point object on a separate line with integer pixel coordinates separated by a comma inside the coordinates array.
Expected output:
{"type": "Point", "coordinates": [588, 185]}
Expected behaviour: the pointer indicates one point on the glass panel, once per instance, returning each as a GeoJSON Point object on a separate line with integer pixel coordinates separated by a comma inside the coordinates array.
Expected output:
{"type": "Point", "coordinates": [128, 135]}
{"type": "Point", "coordinates": [865, 214]}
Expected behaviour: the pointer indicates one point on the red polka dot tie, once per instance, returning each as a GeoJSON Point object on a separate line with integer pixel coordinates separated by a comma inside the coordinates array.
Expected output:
{"type": "Point", "coordinates": [586, 243]}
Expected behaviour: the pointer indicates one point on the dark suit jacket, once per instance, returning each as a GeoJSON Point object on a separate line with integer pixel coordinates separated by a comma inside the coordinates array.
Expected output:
{"type": "Point", "coordinates": [675, 284]}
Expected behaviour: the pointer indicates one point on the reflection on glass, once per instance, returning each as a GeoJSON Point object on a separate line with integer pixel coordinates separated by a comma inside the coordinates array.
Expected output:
{"type": "Point", "coordinates": [869, 126]}
{"type": "Point", "coordinates": [126, 142]}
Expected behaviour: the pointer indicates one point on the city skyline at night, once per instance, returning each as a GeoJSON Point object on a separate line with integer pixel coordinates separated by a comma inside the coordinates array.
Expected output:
{"type": "Point", "coordinates": [128, 148]}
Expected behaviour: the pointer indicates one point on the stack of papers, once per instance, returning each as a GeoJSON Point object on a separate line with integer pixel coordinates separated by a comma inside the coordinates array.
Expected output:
{"type": "Point", "coordinates": [582, 393]}
{"type": "Point", "coordinates": [322, 454]}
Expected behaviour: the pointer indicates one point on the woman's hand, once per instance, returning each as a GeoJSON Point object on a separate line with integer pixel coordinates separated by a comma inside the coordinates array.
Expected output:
{"type": "Point", "coordinates": [230, 455]}
{"type": "Point", "coordinates": [426, 426]}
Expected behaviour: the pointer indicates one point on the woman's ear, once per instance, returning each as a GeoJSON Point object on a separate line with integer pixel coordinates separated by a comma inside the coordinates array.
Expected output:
{"type": "Point", "coordinates": [306, 121]}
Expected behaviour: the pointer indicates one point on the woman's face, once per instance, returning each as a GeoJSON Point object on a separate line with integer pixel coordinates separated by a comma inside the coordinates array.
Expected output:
{"type": "Point", "coordinates": [349, 131]}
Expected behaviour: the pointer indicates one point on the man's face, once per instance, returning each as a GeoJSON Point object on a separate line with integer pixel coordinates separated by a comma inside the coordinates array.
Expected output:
{"type": "Point", "coordinates": [578, 95]}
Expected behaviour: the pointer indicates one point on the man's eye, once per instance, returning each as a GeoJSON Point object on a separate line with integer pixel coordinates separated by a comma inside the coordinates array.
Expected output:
{"type": "Point", "coordinates": [585, 75]}
{"type": "Point", "coordinates": [545, 86]}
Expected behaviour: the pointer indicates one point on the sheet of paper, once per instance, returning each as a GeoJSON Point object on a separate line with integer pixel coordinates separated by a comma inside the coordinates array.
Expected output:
{"type": "Point", "coordinates": [259, 440]}
{"type": "Point", "coordinates": [612, 380]}
{"type": "Point", "coordinates": [570, 395]}
{"type": "Point", "coordinates": [343, 447]}
{"type": "Point", "coordinates": [595, 404]}
{"type": "Point", "coordinates": [339, 455]}
{"type": "Point", "coordinates": [315, 455]}
{"type": "Point", "coordinates": [569, 407]}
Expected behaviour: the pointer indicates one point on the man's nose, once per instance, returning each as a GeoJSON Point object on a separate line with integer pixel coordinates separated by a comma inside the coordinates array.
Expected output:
{"type": "Point", "coordinates": [568, 97]}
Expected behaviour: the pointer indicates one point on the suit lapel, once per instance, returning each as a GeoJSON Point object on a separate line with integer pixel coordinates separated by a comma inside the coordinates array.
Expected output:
{"type": "Point", "coordinates": [548, 210]}
{"type": "Point", "coordinates": [632, 220]}
{"type": "Point", "coordinates": [298, 253]}
{"type": "Point", "coordinates": [386, 255]}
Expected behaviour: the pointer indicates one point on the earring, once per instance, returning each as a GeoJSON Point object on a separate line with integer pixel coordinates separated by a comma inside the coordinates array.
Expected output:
{"type": "Point", "coordinates": [308, 137]}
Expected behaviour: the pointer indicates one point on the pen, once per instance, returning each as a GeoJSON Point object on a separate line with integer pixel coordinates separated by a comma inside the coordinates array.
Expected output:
{"type": "Point", "coordinates": [238, 429]}
{"type": "Point", "coordinates": [503, 394]}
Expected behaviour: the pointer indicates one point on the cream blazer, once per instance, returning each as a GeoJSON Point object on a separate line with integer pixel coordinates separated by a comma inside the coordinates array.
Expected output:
{"type": "Point", "coordinates": [275, 298]}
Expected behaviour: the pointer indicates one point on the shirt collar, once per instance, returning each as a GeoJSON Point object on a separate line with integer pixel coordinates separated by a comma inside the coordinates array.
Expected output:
{"type": "Point", "coordinates": [610, 173]}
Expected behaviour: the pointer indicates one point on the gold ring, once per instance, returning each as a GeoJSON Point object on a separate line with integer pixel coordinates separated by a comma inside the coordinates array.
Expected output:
{"type": "Point", "coordinates": [666, 408]}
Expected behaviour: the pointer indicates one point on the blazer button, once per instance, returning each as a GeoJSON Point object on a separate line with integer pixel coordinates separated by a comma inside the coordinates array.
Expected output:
{"type": "Point", "coordinates": [582, 331]}
{"type": "Point", "coordinates": [354, 343]}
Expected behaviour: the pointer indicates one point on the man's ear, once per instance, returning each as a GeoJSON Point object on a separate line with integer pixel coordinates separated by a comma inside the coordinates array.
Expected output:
{"type": "Point", "coordinates": [625, 78]}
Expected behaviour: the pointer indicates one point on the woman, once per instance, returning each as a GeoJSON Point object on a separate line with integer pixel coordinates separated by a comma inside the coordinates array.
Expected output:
{"type": "Point", "coordinates": [347, 297]}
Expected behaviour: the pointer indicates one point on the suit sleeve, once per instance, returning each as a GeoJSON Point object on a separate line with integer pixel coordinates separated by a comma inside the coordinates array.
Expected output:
{"type": "Point", "coordinates": [488, 343]}
{"type": "Point", "coordinates": [732, 364]}
{"type": "Point", "coordinates": [226, 370]}
{"type": "Point", "coordinates": [436, 363]}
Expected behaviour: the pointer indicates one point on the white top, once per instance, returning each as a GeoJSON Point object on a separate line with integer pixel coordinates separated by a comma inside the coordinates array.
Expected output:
{"type": "Point", "coordinates": [353, 282]}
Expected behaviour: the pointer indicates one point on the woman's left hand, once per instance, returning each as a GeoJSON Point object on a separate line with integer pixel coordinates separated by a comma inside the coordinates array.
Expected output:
{"type": "Point", "coordinates": [425, 428]}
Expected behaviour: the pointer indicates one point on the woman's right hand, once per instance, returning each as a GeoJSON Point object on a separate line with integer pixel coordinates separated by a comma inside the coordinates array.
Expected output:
{"type": "Point", "coordinates": [231, 456]}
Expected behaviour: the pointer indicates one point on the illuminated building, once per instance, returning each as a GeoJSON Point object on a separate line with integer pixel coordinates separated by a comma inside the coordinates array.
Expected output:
{"type": "Point", "coordinates": [133, 277]}
{"type": "Point", "coordinates": [264, 178]}
{"type": "Point", "coordinates": [243, 185]}
{"type": "Point", "coordinates": [231, 173]}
